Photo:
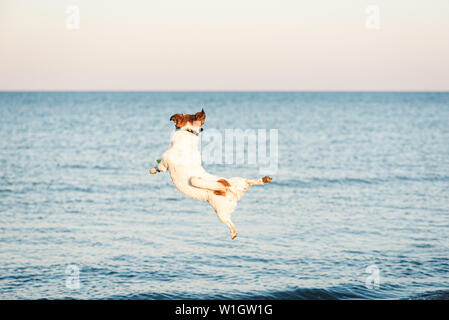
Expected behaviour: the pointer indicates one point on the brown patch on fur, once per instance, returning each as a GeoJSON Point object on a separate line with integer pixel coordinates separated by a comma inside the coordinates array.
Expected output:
{"type": "Point", "coordinates": [182, 119]}
{"type": "Point", "coordinates": [220, 193]}
{"type": "Point", "coordinates": [224, 182]}
{"type": "Point", "coordinates": [266, 179]}
{"type": "Point", "coordinates": [200, 116]}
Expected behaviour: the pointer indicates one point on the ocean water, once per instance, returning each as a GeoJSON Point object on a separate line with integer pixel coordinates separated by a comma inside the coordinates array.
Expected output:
{"type": "Point", "coordinates": [362, 180]}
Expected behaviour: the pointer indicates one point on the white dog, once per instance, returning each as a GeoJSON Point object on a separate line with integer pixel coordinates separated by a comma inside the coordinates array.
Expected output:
{"type": "Point", "coordinates": [183, 160]}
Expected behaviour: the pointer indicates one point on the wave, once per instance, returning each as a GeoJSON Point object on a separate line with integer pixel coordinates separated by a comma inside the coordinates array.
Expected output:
{"type": "Point", "coordinates": [432, 178]}
{"type": "Point", "coordinates": [432, 295]}
{"type": "Point", "coordinates": [74, 189]}
{"type": "Point", "coordinates": [316, 181]}
{"type": "Point", "coordinates": [333, 293]}
{"type": "Point", "coordinates": [79, 166]}
{"type": "Point", "coordinates": [297, 294]}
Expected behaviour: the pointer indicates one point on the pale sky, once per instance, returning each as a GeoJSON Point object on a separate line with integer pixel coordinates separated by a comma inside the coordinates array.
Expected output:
{"type": "Point", "coordinates": [224, 45]}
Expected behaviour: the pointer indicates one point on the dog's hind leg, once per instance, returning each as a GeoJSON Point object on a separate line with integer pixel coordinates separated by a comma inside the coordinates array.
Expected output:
{"type": "Point", "coordinates": [240, 185]}
{"type": "Point", "coordinates": [224, 206]}
{"type": "Point", "coordinates": [226, 219]}
{"type": "Point", "coordinates": [259, 181]}
{"type": "Point", "coordinates": [210, 183]}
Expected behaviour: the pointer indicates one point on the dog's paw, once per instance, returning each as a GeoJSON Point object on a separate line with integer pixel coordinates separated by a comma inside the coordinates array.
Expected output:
{"type": "Point", "coordinates": [233, 235]}
{"type": "Point", "coordinates": [266, 179]}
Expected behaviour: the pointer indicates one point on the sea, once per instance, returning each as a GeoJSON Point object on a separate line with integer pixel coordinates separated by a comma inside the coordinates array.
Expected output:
{"type": "Point", "coordinates": [358, 207]}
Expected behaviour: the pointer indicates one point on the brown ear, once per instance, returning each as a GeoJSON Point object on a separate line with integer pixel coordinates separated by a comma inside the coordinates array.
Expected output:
{"type": "Point", "coordinates": [200, 116]}
{"type": "Point", "coordinates": [177, 118]}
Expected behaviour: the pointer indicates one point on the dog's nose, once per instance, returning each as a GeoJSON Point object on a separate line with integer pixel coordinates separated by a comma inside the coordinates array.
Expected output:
{"type": "Point", "coordinates": [201, 130]}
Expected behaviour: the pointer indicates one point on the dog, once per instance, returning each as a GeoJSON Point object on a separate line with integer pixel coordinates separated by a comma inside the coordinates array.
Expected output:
{"type": "Point", "coordinates": [183, 161]}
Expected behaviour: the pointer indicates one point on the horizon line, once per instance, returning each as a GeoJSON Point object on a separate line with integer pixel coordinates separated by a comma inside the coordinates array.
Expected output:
{"type": "Point", "coordinates": [224, 91]}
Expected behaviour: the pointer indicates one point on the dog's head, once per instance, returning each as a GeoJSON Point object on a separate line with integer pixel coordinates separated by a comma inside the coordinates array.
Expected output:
{"type": "Point", "coordinates": [189, 121]}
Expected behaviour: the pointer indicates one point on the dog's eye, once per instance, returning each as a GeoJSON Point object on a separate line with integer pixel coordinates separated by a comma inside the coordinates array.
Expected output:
{"type": "Point", "coordinates": [201, 130]}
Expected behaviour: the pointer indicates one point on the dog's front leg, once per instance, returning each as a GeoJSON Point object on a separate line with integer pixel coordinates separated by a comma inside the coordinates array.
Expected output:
{"type": "Point", "coordinates": [161, 167]}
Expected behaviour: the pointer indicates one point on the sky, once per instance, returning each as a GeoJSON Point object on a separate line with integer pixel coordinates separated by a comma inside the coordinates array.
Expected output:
{"type": "Point", "coordinates": [241, 45]}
